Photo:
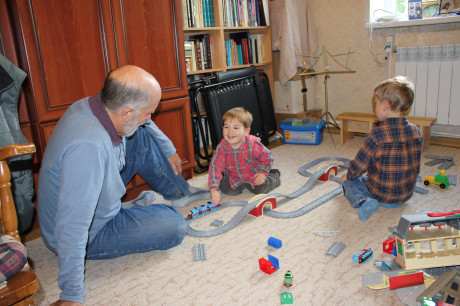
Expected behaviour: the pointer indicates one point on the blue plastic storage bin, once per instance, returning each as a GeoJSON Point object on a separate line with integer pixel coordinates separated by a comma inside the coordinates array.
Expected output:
{"type": "Point", "coordinates": [306, 131]}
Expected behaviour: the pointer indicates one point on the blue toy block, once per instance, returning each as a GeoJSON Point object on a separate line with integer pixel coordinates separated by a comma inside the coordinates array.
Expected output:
{"type": "Point", "coordinates": [274, 261]}
{"type": "Point", "coordinates": [274, 242]}
{"type": "Point", "coordinates": [394, 251]}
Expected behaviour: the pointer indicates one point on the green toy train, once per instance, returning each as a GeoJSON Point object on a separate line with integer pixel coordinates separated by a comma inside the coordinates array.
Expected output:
{"type": "Point", "coordinates": [440, 179]}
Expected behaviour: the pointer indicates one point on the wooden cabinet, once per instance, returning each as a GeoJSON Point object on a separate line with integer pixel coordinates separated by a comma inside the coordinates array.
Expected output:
{"type": "Point", "coordinates": [221, 32]}
{"type": "Point", "coordinates": [68, 47]}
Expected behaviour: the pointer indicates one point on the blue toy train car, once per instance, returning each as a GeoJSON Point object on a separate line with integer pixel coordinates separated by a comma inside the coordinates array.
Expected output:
{"type": "Point", "coordinates": [363, 256]}
{"type": "Point", "coordinates": [203, 209]}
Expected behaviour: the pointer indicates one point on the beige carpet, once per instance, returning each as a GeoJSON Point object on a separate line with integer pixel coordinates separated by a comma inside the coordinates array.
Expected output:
{"type": "Point", "coordinates": [231, 276]}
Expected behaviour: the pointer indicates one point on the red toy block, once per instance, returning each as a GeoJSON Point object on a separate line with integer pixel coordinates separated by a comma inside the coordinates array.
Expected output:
{"type": "Point", "coordinates": [388, 245]}
{"type": "Point", "coordinates": [266, 266]}
{"type": "Point", "coordinates": [407, 280]}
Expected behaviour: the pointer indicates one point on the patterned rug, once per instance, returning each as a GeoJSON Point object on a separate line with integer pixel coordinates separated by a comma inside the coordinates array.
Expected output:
{"type": "Point", "coordinates": [231, 276]}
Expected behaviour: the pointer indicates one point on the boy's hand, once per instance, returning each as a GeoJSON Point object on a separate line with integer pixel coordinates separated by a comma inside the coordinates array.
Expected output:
{"type": "Point", "coordinates": [344, 177]}
{"type": "Point", "coordinates": [259, 178]}
{"type": "Point", "coordinates": [215, 196]}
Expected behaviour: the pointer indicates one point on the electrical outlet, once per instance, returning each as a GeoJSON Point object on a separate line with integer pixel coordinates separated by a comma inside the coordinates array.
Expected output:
{"type": "Point", "coordinates": [389, 43]}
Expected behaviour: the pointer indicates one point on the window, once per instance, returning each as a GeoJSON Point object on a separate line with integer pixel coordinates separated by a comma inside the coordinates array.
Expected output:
{"type": "Point", "coordinates": [392, 9]}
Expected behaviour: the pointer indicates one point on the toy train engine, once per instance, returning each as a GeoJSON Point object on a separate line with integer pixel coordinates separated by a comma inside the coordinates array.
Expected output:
{"type": "Point", "coordinates": [363, 256]}
{"type": "Point", "coordinates": [440, 179]}
{"type": "Point", "coordinates": [203, 209]}
{"type": "Point", "coordinates": [288, 279]}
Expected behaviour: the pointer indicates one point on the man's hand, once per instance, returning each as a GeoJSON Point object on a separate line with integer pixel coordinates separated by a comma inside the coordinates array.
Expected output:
{"type": "Point", "coordinates": [215, 196]}
{"type": "Point", "coordinates": [259, 178]}
{"type": "Point", "coordinates": [66, 303]}
{"type": "Point", "coordinates": [176, 163]}
{"type": "Point", "coordinates": [344, 177]}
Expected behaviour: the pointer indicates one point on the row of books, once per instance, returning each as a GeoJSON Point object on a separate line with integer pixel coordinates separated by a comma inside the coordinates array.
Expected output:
{"type": "Point", "coordinates": [198, 52]}
{"type": "Point", "coordinates": [245, 13]}
{"type": "Point", "coordinates": [244, 49]}
{"type": "Point", "coordinates": [198, 13]}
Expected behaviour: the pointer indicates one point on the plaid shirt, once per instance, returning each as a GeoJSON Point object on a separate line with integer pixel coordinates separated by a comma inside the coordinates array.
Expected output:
{"type": "Point", "coordinates": [242, 163]}
{"type": "Point", "coordinates": [391, 156]}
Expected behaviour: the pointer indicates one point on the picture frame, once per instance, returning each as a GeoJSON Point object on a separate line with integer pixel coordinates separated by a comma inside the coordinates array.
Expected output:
{"type": "Point", "coordinates": [447, 7]}
{"type": "Point", "coordinates": [414, 9]}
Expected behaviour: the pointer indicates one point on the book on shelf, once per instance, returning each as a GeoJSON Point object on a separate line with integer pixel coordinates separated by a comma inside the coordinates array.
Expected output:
{"type": "Point", "coordinates": [211, 20]}
{"type": "Point", "coordinates": [188, 45]}
{"type": "Point", "coordinates": [257, 43]}
{"type": "Point", "coordinates": [263, 12]}
{"type": "Point", "coordinates": [203, 51]}
{"type": "Point", "coordinates": [242, 39]}
{"type": "Point", "coordinates": [198, 13]}
{"type": "Point", "coordinates": [245, 13]}
{"type": "Point", "coordinates": [228, 52]}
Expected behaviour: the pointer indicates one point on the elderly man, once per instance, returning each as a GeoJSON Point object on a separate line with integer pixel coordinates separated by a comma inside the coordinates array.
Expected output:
{"type": "Point", "coordinates": [98, 145]}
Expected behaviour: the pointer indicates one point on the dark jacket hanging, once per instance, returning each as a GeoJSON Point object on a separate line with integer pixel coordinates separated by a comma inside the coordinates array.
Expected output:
{"type": "Point", "coordinates": [11, 78]}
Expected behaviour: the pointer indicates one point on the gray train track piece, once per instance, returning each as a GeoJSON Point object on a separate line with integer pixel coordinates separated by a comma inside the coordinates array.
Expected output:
{"type": "Point", "coordinates": [446, 165]}
{"type": "Point", "coordinates": [326, 233]}
{"type": "Point", "coordinates": [434, 162]}
{"type": "Point", "coordinates": [452, 179]}
{"type": "Point", "coordinates": [217, 223]}
{"type": "Point", "coordinates": [439, 157]}
{"type": "Point", "coordinates": [247, 207]}
{"type": "Point", "coordinates": [199, 251]}
{"type": "Point", "coordinates": [445, 161]}
{"type": "Point", "coordinates": [336, 248]}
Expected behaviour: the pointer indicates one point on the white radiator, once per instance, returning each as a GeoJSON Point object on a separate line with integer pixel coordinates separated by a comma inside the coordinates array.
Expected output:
{"type": "Point", "coordinates": [435, 71]}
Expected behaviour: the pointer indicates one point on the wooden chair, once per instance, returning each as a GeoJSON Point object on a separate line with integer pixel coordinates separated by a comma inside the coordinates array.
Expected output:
{"type": "Point", "coordinates": [20, 287]}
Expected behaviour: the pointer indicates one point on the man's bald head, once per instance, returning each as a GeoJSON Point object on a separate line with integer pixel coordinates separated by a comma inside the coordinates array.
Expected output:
{"type": "Point", "coordinates": [130, 86]}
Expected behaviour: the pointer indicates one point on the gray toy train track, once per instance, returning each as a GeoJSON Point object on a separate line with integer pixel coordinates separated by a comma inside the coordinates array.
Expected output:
{"type": "Point", "coordinates": [247, 207]}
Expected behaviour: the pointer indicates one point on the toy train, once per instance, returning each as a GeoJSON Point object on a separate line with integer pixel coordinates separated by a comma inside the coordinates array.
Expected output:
{"type": "Point", "coordinates": [288, 279]}
{"type": "Point", "coordinates": [203, 209]}
{"type": "Point", "coordinates": [363, 256]}
{"type": "Point", "coordinates": [439, 179]}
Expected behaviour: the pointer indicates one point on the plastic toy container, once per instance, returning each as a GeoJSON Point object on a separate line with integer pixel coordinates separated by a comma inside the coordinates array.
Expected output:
{"type": "Point", "coordinates": [306, 131]}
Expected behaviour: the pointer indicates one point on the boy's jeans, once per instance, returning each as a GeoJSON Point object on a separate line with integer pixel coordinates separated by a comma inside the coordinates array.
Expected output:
{"type": "Point", "coordinates": [141, 229]}
{"type": "Point", "coordinates": [356, 193]}
{"type": "Point", "coordinates": [272, 181]}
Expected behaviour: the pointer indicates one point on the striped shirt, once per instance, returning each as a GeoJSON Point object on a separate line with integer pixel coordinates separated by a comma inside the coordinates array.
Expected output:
{"type": "Point", "coordinates": [391, 156]}
{"type": "Point", "coordinates": [242, 164]}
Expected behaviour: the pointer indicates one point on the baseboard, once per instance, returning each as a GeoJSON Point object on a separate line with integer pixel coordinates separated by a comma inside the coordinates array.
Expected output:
{"type": "Point", "coordinates": [445, 142]}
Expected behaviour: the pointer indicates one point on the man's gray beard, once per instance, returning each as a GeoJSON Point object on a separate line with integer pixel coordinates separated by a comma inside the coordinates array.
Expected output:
{"type": "Point", "coordinates": [131, 128]}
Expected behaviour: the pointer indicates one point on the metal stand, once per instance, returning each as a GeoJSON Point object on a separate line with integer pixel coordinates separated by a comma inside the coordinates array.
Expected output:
{"type": "Point", "coordinates": [326, 113]}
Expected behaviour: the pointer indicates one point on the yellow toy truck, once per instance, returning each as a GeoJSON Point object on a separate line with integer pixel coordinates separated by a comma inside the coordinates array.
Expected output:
{"type": "Point", "coordinates": [440, 179]}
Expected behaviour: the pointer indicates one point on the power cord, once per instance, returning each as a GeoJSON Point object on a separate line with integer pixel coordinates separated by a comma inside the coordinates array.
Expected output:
{"type": "Point", "coordinates": [384, 20]}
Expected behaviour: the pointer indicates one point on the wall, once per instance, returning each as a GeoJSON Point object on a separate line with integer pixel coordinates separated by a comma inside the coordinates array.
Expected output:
{"type": "Point", "coordinates": [342, 25]}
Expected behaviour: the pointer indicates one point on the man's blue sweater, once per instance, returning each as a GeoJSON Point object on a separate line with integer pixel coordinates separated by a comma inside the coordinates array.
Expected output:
{"type": "Point", "coordinates": [80, 190]}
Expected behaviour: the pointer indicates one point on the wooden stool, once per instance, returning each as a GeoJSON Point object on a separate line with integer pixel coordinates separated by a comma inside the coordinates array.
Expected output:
{"type": "Point", "coordinates": [423, 123]}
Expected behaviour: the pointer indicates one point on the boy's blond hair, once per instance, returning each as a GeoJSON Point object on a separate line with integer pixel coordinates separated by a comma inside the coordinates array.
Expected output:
{"type": "Point", "coordinates": [398, 91]}
{"type": "Point", "coordinates": [239, 114]}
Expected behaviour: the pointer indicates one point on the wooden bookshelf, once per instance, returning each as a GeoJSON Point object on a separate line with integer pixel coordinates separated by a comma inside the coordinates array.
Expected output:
{"type": "Point", "coordinates": [220, 33]}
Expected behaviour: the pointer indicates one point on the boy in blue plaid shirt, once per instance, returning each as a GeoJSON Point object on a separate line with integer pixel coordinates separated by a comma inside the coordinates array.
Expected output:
{"type": "Point", "coordinates": [390, 154]}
